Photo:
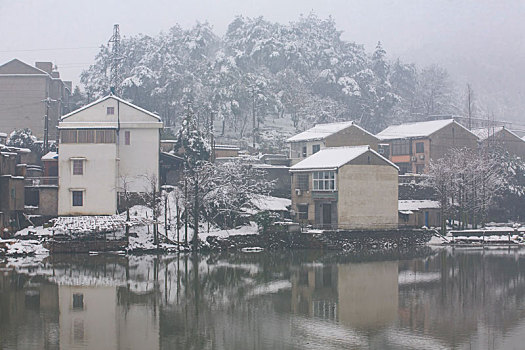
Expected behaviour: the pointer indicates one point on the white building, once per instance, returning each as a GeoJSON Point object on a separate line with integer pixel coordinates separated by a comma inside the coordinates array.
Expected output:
{"type": "Point", "coordinates": [106, 147]}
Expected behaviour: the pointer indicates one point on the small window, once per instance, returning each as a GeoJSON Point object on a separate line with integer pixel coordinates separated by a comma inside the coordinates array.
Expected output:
{"type": "Point", "coordinates": [127, 138]}
{"type": "Point", "coordinates": [78, 199]}
{"type": "Point", "coordinates": [78, 167]}
{"type": "Point", "coordinates": [304, 151]}
{"type": "Point", "coordinates": [303, 181]}
{"type": "Point", "coordinates": [110, 110]}
{"type": "Point", "coordinates": [420, 147]}
{"type": "Point", "coordinates": [324, 181]}
{"type": "Point", "coordinates": [316, 148]}
{"type": "Point", "coordinates": [78, 301]}
{"type": "Point", "coordinates": [302, 210]}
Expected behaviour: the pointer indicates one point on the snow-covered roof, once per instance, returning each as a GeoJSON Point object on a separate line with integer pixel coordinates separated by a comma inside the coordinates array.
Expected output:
{"type": "Point", "coordinates": [321, 131]}
{"type": "Point", "coordinates": [415, 205]}
{"type": "Point", "coordinates": [115, 98]}
{"type": "Point", "coordinates": [227, 147]}
{"type": "Point", "coordinates": [3, 134]}
{"type": "Point", "coordinates": [484, 133]}
{"type": "Point", "coordinates": [50, 156]}
{"type": "Point", "coordinates": [270, 203]}
{"type": "Point", "coordinates": [419, 129]}
{"type": "Point", "coordinates": [335, 157]}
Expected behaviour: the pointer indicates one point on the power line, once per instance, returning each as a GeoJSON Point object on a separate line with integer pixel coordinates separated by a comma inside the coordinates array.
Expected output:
{"type": "Point", "coordinates": [52, 49]}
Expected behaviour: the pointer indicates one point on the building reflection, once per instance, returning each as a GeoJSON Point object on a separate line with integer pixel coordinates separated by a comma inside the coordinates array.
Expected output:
{"type": "Point", "coordinates": [449, 300]}
{"type": "Point", "coordinates": [358, 295]}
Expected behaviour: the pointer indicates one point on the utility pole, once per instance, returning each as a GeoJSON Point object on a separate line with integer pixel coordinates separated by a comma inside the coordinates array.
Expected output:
{"type": "Point", "coordinates": [253, 90]}
{"type": "Point", "coordinates": [469, 105]}
{"type": "Point", "coordinates": [115, 78]}
{"type": "Point", "coordinates": [48, 102]}
{"type": "Point", "coordinates": [212, 140]}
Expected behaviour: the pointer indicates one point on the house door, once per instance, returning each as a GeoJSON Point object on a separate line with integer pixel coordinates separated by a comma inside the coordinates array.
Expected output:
{"type": "Point", "coordinates": [426, 219]}
{"type": "Point", "coordinates": [327, 215]}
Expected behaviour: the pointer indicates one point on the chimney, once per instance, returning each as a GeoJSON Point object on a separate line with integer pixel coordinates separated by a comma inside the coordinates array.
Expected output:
{"type": "Point", "coordinates": [45, 66]}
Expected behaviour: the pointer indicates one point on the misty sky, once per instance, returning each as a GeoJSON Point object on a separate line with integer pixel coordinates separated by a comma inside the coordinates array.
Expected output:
{"type": "Point", "coordinates": [478, 41]}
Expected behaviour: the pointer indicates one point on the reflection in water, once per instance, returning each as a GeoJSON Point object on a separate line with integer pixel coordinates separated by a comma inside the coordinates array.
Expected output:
{"type": "Point", "coordinates": [300, 300]}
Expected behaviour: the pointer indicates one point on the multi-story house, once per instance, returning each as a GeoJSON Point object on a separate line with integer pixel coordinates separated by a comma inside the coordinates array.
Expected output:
{"type": "Point", "coordinates": [501, 137]}
{"type": "Point", "coordinates": [28, 93]}
{"type": "Point", "coordinates": [106, 148]}
{"type": "Point", "coordinates": [412, 146]}
{"type": "Point", "coordinates": [346, 188]}
{"type": "Point", "coordinates": [328, 135]}
{"type": "Point", "coordinates": [11, 188]}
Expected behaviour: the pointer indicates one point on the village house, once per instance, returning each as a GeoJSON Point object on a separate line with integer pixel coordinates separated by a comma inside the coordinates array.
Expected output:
{"type": "Point", "coordinates": [419, 213]}
{"type": "Point", "coordinates": [106, 148]}
{"type": "Point", "coordinates": [501, 137]}
{"type": "Point", "coordinates": [11, 189]}
{"type": "Point", "coordinates": [412, 146]}
{"type": "Point", "coordinates": [346, 188]}
{"type": "Point", "coordinates": [24, 90]}
{"type": "Point", "coordinates": [320, 136]}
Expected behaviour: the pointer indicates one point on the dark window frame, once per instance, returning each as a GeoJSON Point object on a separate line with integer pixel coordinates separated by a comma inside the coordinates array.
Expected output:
{"type": "Point", "coordinates": [78, 198]}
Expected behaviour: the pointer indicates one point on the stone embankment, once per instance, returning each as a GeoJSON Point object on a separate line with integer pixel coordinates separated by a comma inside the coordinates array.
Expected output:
{"type": "Point", "coordinates": [351, 241]}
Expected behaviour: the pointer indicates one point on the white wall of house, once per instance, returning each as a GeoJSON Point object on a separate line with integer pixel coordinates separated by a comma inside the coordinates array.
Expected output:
{"type": "Point", "coordinates": [98, 181]}
{"type": "Point", "coordinates": [108, 166]}
{"type": "Point", "coordinates": [139, 161]}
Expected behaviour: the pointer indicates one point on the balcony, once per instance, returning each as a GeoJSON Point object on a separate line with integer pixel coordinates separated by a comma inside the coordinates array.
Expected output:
{"type": "Point", "coordinates": [41, 181]}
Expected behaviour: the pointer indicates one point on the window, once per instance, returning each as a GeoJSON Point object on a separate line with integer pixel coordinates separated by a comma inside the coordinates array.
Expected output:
{"type": "Point", "coordinates": [324, 180]}
{"type": "Point", "coordinates": [316, 148]}
{"type": "Point", "coordinates": [302, 211]}
{"type": "Point", "coordinates": [304, 151]}
{"type": "Point", "coordinates": [78, 199]}
{"type": "Point", "coordinates": [420, 147]}
{"type": "Point", "coordinates": [106, 136]}
{"type": "Point", "coordinates": [303, 181]}
{"type": "Point", "coordinates": [400, 147]}
{"type": "Point", "coordinates": [78, 167]}
{"type": "Point", "coordinates": [110, 111]}
{"type": "Point", "coordinates": [404, 168]}
{"type": "Point", "coordinates": [68, 136]}
{"type": "Point", "coordinates": [127, 138]}
{"type": "Point", "coordinates": [88, 136]}
{"type": "Point", "coordinates": [78, 301]}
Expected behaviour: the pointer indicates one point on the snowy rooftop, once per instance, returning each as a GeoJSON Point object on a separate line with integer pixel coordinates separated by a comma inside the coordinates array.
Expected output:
{"type": "Point", "coordinates": [414, 205]}
{"type": "Point", "coordinates": [484, 133]}
{"type": "Point", "coordinates": [420, 129]}
{"type": "Point", "coordinates": [320, 131]}
{"type": "Point", "coordinates": [3, 134]}
{"type": "Point", "coordinates": [50, 156]}
{"type": "Point", "coordinates": [334, 158]}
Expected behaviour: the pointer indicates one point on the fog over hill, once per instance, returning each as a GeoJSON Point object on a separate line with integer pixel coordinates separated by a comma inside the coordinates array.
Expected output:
{"type": "Point", "coordinates": [479, 42]}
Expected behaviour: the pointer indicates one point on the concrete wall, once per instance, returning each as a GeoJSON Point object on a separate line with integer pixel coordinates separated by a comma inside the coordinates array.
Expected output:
{"type": "Point", "coordinates": [367, 197]}
{"type": "Point", "coordinates": [21, 103]}
{"type": "Point", "coordinates": [139, 161]}
{"type": "Point", "coordinates": [48, 200]}
{"type": "Point", "coordinates": [352, 136]}
{"type": "Point", "coordinates": [449, 137]}
{"type": "Point", "coordinates": [507, 141]}
{"type": "Point", "coordinates": [22, 89]}
{"type": "Point", "coordinates": [99, 181]}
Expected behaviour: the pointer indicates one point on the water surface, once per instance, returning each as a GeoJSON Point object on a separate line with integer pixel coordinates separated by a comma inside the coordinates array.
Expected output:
{"type": "Point", "coordinates": [424, 299]}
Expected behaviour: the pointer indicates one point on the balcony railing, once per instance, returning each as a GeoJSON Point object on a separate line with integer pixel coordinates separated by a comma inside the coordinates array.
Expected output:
{"type": "Point", "coordinates": [41, 181]}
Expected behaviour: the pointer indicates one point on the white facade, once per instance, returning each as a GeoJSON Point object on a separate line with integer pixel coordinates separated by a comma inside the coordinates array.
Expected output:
{"type": "Point", "coordinates": [105, 147]}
